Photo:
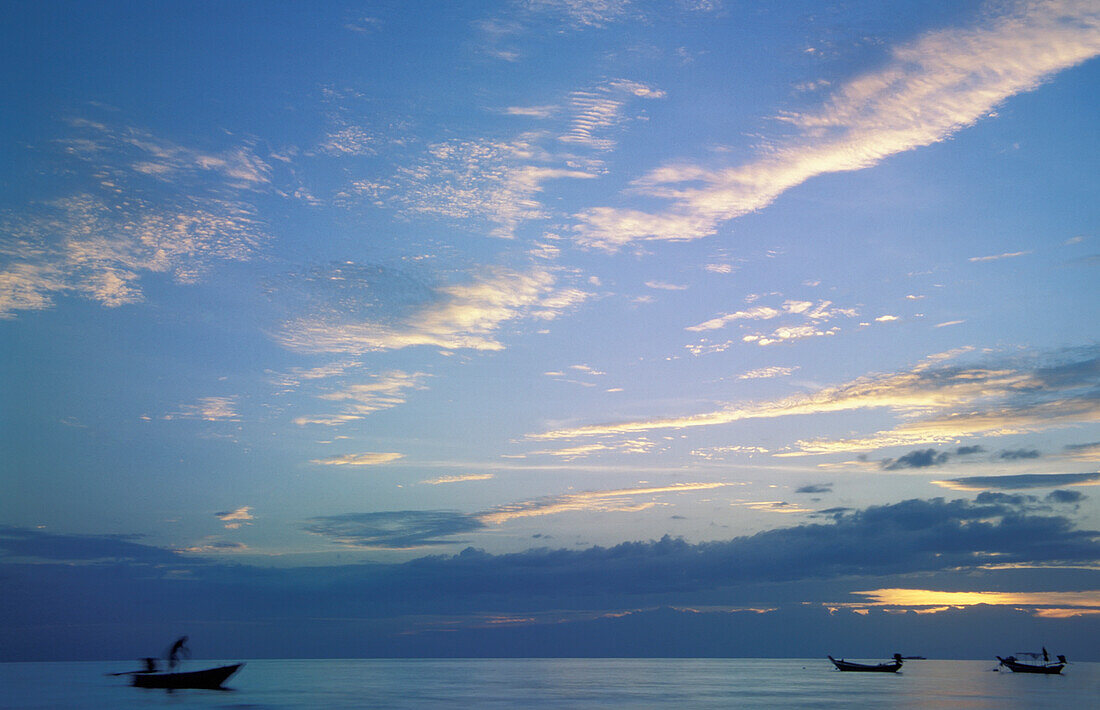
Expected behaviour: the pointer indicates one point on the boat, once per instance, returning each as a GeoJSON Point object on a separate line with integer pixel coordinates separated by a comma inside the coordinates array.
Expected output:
{"type": "Point", "coordinates": [891, 667]}
{"type": "Point", "coordinates": [209, 678]}
{"type": "Point", "coordinates": [1047, 667]}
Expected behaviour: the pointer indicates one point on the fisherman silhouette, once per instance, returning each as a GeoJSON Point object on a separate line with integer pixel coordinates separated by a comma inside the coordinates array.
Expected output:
{"type": "Point", "coordinates": [150, 665]}
{"type": "Point", "coordinates": [179, 648]}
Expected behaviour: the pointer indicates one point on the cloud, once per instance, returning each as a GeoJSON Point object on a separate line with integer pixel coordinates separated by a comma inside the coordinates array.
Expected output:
{"type": "Point", "coordinates": [933, 87]}
{"type": "Point", "coordinates": [604, 501]}
{"type": "Point", "coordinates": [458, 479]}
{"type": "Point", "coordinates": [815, 488]}
{"type": "Point", "coordinates": [716, 453]}
{"type": "Point", "coordinates": [629, 446]}
{"type": "Point", "coordinates": [767, 372]}
{"type": "Point", "coordinates": [368, 459]}
{"type": "Point", "coordinates": [1020, 481]}
{"type": "Point", "coordinates": [908, 537]}
{"type": "Point", "coordinates": [42, 545]}
{"type": "Point", "coordinates": [1018, 455]}
{"type": "Point", "coordinates": [455, 317]}
{"type": "Point", "coordinates": [584, 13]}
{"type": "Point", "coordinates": [998, 257]}
{"type": "Point", "coordinates": [662, 286]}
{"type": "Point", "coordinates": [928, 597]}
{"type": "Point", "coordinates": [809, 317]}
{"type": "Point", "coordinates": [598, 109]}
{"type": "Point", "coordinates": [233, 519]}
{"type": "Point", "coordinates": [210, 409]}
{"type": "Point", "coordinates": [382, 391]}
{"type": "Point", "coordinates": [916, 459]}
{"type": "Point", "coordinates": [939, 403]}
{"type": "Point", "coordinates": [147, 206]}
{"type": "Point", "coordinates": [1084, 452]}
{"type": "Point", "coordinates": [467, 180]}
{"type": "Point", "coordinates": [407, 529]}
{"type": "Point", "coordinates": [394, 530]}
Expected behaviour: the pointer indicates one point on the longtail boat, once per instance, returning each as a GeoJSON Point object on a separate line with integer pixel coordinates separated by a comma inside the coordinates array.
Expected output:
{"type": "Point", "coordinates": [1047, 667]}
{"type": "Point", "coordinates": [892, 667]}
{"type": "Point", "coordinates": [209, 678]}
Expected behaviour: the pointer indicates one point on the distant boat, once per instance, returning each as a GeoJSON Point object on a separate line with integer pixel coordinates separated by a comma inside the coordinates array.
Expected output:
{"type": "Point", "coordinates": [210, 678]}
{"type": "Point", "coordinates": [892, 667]}
{"type": "Point", "coordinates": [1047, 667]}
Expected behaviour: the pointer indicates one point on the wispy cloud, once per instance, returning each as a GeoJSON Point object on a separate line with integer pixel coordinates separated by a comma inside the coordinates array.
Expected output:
{"type": "Point", "coordinates": [605, 501]}
{"type": "Point", "coordinates": [810, 321]}
{"type": "Point", "coordinates": [233, 519]}
{"type": "Point", "coordinates": [368, 459]}
{"type": "Point", "coordinates": [584, 13]}
{"type": "Point", "coordinates": [148, 206]}
{"type": "Point", "coordinates": [464, 478]}
{"type": "Point", "coordinates": [495, 182]}
{"type": "Point", "coordinates": [629, 446]}
{"type": "Point", "coordinates": [459, 316]}
{"type": "Point", "coordinates": [211, 409]}
{"type": "Point", "coordinates": [940, 403]}
{"type": "Point", "coordinates": [1084, 452]}
{"type": "Point", "coordinates": [933, 87]}
{"type": "Point", "coordinates": [403, 529]}
{"type": "Point", "coordinates": [382, 391]}
{"type": "Point", "coordinates": [998, 257]}
{"type": "Point", "coordinates": [767, 372]}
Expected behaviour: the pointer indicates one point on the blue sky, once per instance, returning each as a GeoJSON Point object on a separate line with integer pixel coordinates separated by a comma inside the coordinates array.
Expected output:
{"type": "Point", "coordinates": [353, 288]}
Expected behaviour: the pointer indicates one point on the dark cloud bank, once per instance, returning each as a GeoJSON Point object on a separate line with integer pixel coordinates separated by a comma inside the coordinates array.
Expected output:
{"type": "Point", "coordinates": [124, 598]}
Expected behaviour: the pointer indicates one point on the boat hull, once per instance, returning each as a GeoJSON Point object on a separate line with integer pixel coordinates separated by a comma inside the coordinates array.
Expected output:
{"type": "Point", "coordinates": [210, 678]}
{"type": "Point", "coordinates": [848, 666]}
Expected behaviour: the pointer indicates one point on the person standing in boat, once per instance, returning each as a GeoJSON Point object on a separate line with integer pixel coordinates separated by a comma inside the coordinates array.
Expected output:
{"type": "Point", "coordinates": [179, 649]}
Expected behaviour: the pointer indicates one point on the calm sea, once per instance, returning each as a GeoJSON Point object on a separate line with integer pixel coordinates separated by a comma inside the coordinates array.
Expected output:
{"type": "Point", "coordinates": [560, 683]}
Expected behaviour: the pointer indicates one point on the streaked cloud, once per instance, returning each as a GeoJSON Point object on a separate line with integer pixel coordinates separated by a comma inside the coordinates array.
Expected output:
{"type": "Point", "coordinates": [1084, 452]}
{"type": "Point", "coordinates": [600, 108]}
{"type": "Point", "coordinates": [382, 391]}
{"type": "Point", "coordinates": [602, 501]}
{"type": "Point", "coordinates": [463, 478]}
{"type": "Point", "coordinates": [940, 403]}
{"type": "Point", "coordinates": [933, 87]}
{"type": "Point", "coordinates": [629, 446]}
{"type": "Point", "coordinates": [718, 453]}
{"type": "Point", "coordinates": [1020, 481]}
{"type": "Point", "coordinates": [366, 459]}
{"type": "Point", "coordinates": [998, 257]}
{"type": "Point", "coordinates": [928, 597]}
{"type": "Point", "coordinates": [767, 372]}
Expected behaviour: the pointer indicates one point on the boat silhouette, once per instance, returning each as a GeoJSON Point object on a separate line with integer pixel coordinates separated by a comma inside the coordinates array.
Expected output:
{"type": "Point", "coordinates": [891, 667]}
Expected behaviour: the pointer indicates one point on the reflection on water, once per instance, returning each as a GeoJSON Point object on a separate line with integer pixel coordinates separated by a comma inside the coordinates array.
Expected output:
{"type": "Point", "coordinates": [561, 683]}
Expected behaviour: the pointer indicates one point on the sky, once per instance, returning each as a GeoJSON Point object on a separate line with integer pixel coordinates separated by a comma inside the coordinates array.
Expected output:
{"type": "Point", "coordinates": [549, 327]}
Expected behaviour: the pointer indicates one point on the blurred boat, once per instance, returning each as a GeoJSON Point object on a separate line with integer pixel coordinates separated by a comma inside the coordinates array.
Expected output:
{"type": "Point", "coordinates": [209, 678]}
{"type": "Point", "coordinates": [892, 667]}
